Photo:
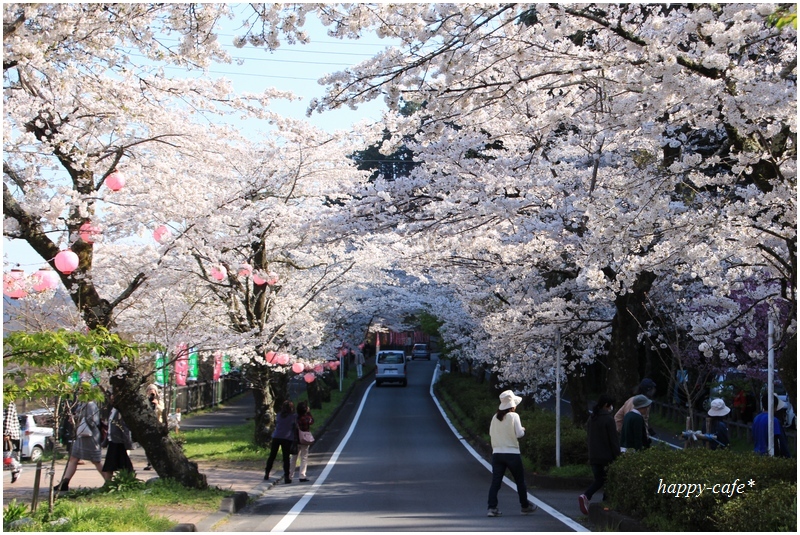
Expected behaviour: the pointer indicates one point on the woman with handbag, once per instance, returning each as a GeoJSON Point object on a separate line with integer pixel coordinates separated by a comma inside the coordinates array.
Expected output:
{"type": "Point", "coordinates": [283, 438]}
{"type": "Point", "coordinates": [87, 443]}
{"type": "Point", "coordinates": [119, 442]}
{"type": "Point", "coordinates": [304, 440]}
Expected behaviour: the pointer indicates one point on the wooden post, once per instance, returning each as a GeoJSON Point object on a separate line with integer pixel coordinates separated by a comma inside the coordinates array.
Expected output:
{"type": "Point", "coordinates": [36, 479]}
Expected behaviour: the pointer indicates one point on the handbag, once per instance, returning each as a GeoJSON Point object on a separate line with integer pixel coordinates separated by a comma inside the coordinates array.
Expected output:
{"type": "Point", "coordinates": [305, 438]}
{"type": "Point", "coordinates": [83, 429]}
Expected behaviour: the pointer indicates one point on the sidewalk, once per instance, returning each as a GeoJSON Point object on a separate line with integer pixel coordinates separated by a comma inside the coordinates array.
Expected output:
{"type": "Point", "coordinates": [236, 411]}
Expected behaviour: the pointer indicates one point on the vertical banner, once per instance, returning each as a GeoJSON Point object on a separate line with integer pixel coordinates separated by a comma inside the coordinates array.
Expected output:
{"type": "Point", "coordinates": [74, 378]}
{"type": "Point", "coordinates": [217, 365]}
{"type": "Point", "coordinates": [194, 365]}
{"type": "Point", "coordinates": [226, 364]}
{"type": "Point", "coordinates": [181, 364]}
{"type": "Point", "coordinates": [162, 374]}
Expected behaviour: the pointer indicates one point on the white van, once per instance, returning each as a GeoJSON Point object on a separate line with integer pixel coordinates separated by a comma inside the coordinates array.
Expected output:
{"type": "Point", "coordinates": [390, 367]}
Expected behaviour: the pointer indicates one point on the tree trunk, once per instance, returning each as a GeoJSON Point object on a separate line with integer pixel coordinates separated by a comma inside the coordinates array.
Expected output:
{"type": "Point", "coordinates": [576, 385]}
{"type": "Point", "coordinates": [164, 454]}
{"type": "Point", "coordinates": [624, 347]}
{"type": "Point", "coordinates": [261, 386]}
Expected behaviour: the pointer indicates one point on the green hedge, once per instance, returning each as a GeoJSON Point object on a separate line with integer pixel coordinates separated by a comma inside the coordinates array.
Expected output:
{"type": "Point", "coordinates": [478, 403]}
{"type": "Point", "coordinates": [639, 485]}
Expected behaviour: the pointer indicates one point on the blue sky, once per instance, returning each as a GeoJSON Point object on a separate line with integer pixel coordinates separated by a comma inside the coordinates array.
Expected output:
{"type": "Point", "coordinates": [295, 68]}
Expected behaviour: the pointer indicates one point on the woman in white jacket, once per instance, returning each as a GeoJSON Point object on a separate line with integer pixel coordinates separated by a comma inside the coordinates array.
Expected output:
{"type": "Point", "coordinates": [505, 431]}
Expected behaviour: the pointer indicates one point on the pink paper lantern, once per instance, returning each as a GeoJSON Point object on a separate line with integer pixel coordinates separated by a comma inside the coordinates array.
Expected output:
{"type": "Point", "coordinates": [272, 279]}
{"type": "Point", "coordinates": [298, 368]}
{"type": "Point", "coordinates": [66, 261]}
{"type": "Point", "coordinates": [162, 234]}
{"type": "Point", "coordinates": [258, 280]}
{"type": "Point", "coordinates": [318, 368]}
{"type": "Point", "coordinates": [245, 270]}
{"type": "Point", "coordinates": [282, 359]}
{"type": "Point", "coordinates": [14, 284]}
{"type": "Point", "coordinates": [88, 232]}
{"type": "Point", "coordinates": [115, 181]}
{"type": "Point", "coordinates": [219, 272]}
{"type": "Point", "coordinates": [45, 279]}
{"type": "Point", "coordinates": [270, 357]}
{"type": "Point", "coordinates": [309, 377]}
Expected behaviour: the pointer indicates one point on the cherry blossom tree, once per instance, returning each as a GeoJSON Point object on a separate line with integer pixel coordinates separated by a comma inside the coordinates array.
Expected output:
{"type": "Point", "coordinates": [85, 100]}
{"type": "Point", "coordinates": [574, 155]}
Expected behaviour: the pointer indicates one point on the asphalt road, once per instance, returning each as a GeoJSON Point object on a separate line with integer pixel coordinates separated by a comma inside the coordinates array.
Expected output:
{"type": "Point", "coordinates": [393, 464]}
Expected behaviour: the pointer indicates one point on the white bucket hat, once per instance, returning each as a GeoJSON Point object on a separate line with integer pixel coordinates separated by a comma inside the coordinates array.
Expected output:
{"type": "Point", "coordinates": [718, 408]}
{"type": "Point", "coordinates": [508, 399]}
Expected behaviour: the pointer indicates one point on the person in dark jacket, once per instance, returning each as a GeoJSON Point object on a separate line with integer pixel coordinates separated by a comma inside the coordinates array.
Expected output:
{"type": "Point", "coordinates": [282, 438]}
{"type": "Point", "coordinates": [717, 413]}
{"type": "Point", "coordinates": [603, 447]}
{"type": "Point", "coordinates": [634, 429]}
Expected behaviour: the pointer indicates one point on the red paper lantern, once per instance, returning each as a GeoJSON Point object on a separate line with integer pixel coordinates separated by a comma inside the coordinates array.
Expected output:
{"type": "Point", "coordinates": [14, 284]}
{"type": "Point", "coordinates": [298, 368]}
{"type": "Point", "coordinates": [162, 234]}
{"type": "Point", "coordinates": [88, 232]}
{"type": "Point", "coordinates": [115, 181]}
{"type": "Point", "coordinates": [67, 261]}
{"type": "Point", "coordinates": [309, 377]}
{"type": "Point", "coordinates": [45, 279]}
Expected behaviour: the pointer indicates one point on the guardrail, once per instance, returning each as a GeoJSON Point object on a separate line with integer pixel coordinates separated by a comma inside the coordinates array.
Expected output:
{"type": "Point", "coordinates": [196, 396]}
{"type": "Point", "coordinates": [735, 429]}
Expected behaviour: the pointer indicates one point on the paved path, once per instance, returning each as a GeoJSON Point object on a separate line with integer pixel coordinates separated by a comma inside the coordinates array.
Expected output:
{"type": "Point", "coordinates": [238, 411]}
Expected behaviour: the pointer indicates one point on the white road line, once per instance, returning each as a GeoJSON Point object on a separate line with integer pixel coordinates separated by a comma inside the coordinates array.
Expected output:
{"type": "Point", "coordinates": [290, 517]}
{"type": "Point", "coordinates": [543, 506]}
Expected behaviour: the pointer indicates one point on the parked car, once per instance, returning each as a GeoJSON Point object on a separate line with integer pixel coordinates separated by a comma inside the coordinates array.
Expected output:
{"type": "Point", "coordinates": [421, 351]}
{"type": "Point", "coordinates": [390, 367]}
{"type": "Point", "coordinates": [34, 429]}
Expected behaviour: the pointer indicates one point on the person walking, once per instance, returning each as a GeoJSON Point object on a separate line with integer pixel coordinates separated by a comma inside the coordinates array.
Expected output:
{"type": "Point", "coordinates": [154, 398]}
{"type": "Point", "coordinates": [646, 388]}
{"type": "Point", "coordinates": [717, 412]}
{"type": "Point", "coordinates": [11, 441]}
{"type": "Point", "coordinates": [634, 429]}
{"type": "Point", "coordinates": [760, 429]}
{"type": "Point", "coordinates": [603, 447]}
{"type": "Point", "coordinates": [87, 443]}
{"type": "Point", "coordinates": [505, 431]}
{"type": "Point", "coordinates": [282, 438]}
{"type": "Point", "coordinates": [360, 363]}
{"type": "Point", "coordinates": [119, 442]}
{"type": "Point", "coordinates": [304, 422]}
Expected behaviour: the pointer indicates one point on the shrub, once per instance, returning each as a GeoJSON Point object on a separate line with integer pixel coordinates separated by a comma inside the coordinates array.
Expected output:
{"type": "Point", "coordinates": [13, 511]}
{"type": "Point", "coordinates": [770, 509]}
{"type": "Point", "coordinates": [634, 481]}
{"type": "Point", "coordinates": [478, 403]}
